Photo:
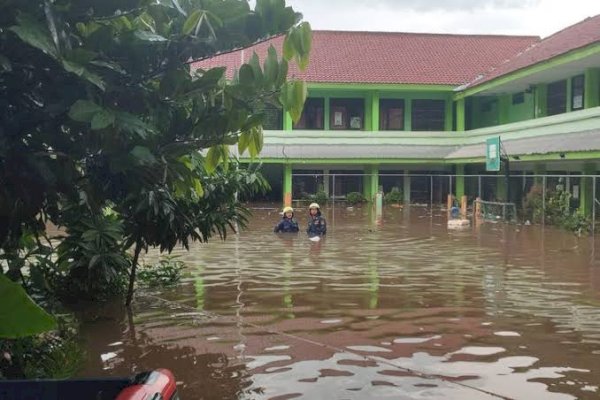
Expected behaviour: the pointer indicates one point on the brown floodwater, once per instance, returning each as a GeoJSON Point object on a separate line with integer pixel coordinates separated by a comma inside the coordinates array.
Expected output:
{"type": "Point", "coordinates": [403, 309]}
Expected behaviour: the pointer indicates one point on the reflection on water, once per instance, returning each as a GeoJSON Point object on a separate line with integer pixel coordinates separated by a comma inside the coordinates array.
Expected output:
{"type": "Point", "coordinates": [401, 308]}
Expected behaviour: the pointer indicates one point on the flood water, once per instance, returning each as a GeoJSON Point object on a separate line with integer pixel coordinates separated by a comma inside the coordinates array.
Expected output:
{"type": "Point", "coordinates": [405, 309]}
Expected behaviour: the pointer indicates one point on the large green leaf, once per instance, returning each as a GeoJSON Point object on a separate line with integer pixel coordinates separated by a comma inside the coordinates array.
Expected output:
{"type": "Point", "coordinates": [103, 119]}
{"type": "Point", "coordinates": [258, 74]}
{"type": "Point", "coordinates": [293, 95]}
{"type": "Point", "coordinates": [246, 75]}
{"type": "Point", "coordinates": [143, 155]}
{"type": "Point", "coordinates": [35, 34]}
{"type": "Point", "coordinates": [192, 21]}
{"type": "Point", "coordinates": [256, 142]}
{"type": "Point", "coordinates": [84, 110]}
{"type": "Point", "coordinates": [19, 315]}
{"type": "Point", "coordinates": [297, 44]}
{"type": "Point", "coordinates": [271, 67]}
{"type": "Point", "coordinates": [5, 63]}
{"type": "Point", "coordinates": [84, 73]}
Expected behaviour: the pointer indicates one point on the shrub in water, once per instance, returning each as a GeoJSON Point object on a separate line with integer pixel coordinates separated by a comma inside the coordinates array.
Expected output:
{"type": "Point", "coordinates": [558, 210]}
{"type": "Point", "coordinates": [164, 273]}
{"type": "Point", "coordinates": [355, 198]}
{"type": "Point", "coordinates": [394, 196]}
{"type": "Point", "coordinates": [52, 355]}
{"type": "Point", "coordinates": [321, 197]}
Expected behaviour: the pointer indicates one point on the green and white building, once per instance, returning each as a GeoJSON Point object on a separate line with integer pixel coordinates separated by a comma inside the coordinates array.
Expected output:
{"type": "Point", "coordinates": [384, 108]}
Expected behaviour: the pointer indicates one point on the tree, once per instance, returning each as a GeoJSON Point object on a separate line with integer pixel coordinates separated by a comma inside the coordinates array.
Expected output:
{"type": "Point", "coordinates": [101, 112]}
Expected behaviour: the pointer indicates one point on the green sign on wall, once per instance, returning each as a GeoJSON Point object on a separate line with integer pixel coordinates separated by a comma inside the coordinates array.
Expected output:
{"type": "Point", "coordinates": [492, 154]}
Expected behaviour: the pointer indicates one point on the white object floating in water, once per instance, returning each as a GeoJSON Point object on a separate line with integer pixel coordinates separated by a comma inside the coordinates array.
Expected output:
{"type": "Point", "coordinates": [315, 239]}
{"type": "Point", "coordinates": [507, 333]}
{"type": "Point", "coordinates": [458, 223]}
{"type": "Point", "coordinates": [107, 356]}
{"type": "Point", "coordinates": [480, 350]}
{"type": "Point", "coordinates": [369, 349]}
{"type": "Point", "coordinates": [277, 348]}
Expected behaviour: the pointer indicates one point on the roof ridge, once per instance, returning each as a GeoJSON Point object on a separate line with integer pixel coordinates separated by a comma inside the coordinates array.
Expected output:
{"type": "Point", "coordinates": [482, 77]}
{"type": "Point", "coordinates": [426, 33]}
{"type": "Point", "coordinates": [586, 19]}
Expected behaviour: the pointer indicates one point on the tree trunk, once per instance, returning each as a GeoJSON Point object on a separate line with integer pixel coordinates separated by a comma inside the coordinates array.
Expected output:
{"type": "Point", "coordinates": [134, 263]}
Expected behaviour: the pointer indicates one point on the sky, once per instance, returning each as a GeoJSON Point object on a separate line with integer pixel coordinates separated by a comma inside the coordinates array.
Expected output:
{"type": "Point", "coordinates": [508, 17]}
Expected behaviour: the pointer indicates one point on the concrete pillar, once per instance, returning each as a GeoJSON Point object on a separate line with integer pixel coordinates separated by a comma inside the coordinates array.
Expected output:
{"type": "Point", "coordinates": [449, 114]}
{"type": "Point", "coordinates": [374, 181]}
{"type": "Point", "coordinates": [375, 111]}
{"type": "Point", "coordinates": [586, 195]}
{"type": "Point", "coordinates": [460, 181]}
{"type": "Point", "coordinates": [408, 114]}
{"type": "Point", "coordinates": [327, 121]}
{"type": "Point", "coordinates": [288, 124]}
{"type": "Point", "coordinates": [540, 100]}
{"type": "Point", "coordinates": [592, 88]}
{"type": "Point", "coordinates": [460, 115]}
{"type": "Point", "coordinates": [367, 184]}
{"type": "Point", "coordinates": [326, 182]}
{"type": "Point", "coordinates": [368, 114]}
{"type": "Point", "coordinates": [406, 187]}
{"type": "Point", "coordinates": [569, 94]}
{"type": "Point", "coordinates": [287, 185]}
{"type": "Point", "coordinates": [370, 182]}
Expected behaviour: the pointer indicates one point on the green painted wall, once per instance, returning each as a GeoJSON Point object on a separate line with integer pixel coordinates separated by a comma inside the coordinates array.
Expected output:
{"type": "Point", "coordinates": [521, 111]}
{"type": "Point", "coordinates": [485, 112]}
{"type": "Point", "coordinates": [592, 88]}
{"type": "Point", "coordinates": [504, 104]}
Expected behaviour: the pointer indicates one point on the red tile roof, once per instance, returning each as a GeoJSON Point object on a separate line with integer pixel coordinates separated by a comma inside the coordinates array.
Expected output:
{"type": "Point", "coordinates": [571, 38]}
{"type": "Point", "coordinates": [388, 57]}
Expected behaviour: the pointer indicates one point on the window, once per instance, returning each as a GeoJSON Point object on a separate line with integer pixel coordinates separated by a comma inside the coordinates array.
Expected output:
{"type": "Point", "coordinates": [313, 115]}
{"type": "Point", "coordinates": [273, 120]}
{"type": "Point", "coordinates": [556, 99]}
{"type": "Point", "coordinates": [428, 115]}
{"type": "Point", "coordinates": [391, 115]}
{"type": "Point", "coordinates": [577, 91]}
{"type": "Point", "coordinates": [518, 98]}
{"type": "Point", "coordinates": [347, 114]}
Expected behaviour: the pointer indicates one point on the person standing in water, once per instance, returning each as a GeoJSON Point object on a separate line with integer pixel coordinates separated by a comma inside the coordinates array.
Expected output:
{"type": "Point", "coordinates": [287, 224]}
{"type": "Point", "coordinates": [317, 226]}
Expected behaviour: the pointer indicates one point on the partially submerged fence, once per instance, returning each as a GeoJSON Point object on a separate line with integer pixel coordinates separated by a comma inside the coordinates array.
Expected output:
{"type": "Point", "coordinates": [535, 195]}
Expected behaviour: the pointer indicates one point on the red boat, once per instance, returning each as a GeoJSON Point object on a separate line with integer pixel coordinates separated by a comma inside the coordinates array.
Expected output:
{"type": "Point", "coordinates": [154, 385]}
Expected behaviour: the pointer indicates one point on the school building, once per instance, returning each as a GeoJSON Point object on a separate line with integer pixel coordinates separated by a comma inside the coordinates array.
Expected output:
{"type": "Point", "coordinates": [384, 108]}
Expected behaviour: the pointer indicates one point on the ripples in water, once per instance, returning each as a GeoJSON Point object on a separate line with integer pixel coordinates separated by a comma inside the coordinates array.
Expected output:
{"type": "Point", "coordinates": [401, 310]}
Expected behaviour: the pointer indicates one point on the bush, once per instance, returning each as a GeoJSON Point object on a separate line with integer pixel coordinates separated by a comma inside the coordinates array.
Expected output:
{"type": "Point", "coordinates": [355, 198]}
{"type": "Point", "coordinates": [394, 196]}
{"type": "Point", "coordinates": [533, 204]}
{"type": "Point", "coordinates": [558, 210]}
{"type": "Point", "coordinates": [88, 264]}
{"type": "Point", "coordinates": [166, 272]}
{"type": "Point", "coordinates": [53, 355]}
{"type": "Point", "coordinates": [320, 197]}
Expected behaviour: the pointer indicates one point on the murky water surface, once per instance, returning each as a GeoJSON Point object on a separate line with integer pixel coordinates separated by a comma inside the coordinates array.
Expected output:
{"type": "Point", "coordinates": [404, 310]}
